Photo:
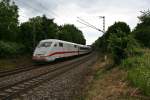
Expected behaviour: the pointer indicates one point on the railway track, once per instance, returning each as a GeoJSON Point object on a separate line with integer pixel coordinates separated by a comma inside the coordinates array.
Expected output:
{"type": "Point", "coordinates": [16, 70]}
{"type": "Point", "coordinates": [28, 67]}
{"type": "Point", "coordinates": [10, 91]}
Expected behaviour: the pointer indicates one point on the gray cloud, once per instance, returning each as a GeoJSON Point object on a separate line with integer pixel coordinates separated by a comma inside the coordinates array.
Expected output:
{"type": "Point", "coordinates": [36, 7]}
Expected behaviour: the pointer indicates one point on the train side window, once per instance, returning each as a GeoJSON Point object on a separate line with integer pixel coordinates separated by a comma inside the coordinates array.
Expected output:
{"type": "Point", "coordinates": [60, 44]}
{"type": "Point", "coordinates": [83, 48]}
{"type": "Point", "coordinates": [75, 46]}
{"type": "Point", "coordinates": [55, 45]}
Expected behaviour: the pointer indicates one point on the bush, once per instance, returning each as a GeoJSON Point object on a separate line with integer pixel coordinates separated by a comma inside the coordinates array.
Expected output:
{"type": "Point", "coordinates": [143, 35]}
{"type": "Point", "coordinates": [122, 45]}
{"type": "Point", "coordinates": [139, 71]}
{"type": "Point", "coordinates": [10, 49]}
{"type": "Point", "coordinates": [140, 77]}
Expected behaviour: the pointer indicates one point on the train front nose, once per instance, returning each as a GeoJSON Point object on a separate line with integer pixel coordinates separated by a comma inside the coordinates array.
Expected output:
{"type": "Point", "coordinates": [42, 50]}
{"type": "Point", "coordinates": [39, 55]}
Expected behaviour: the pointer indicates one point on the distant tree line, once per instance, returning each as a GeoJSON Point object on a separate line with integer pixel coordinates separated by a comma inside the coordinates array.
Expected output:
{"type": "Point", "coordinates": [18, 38]}
{"type": "Point", "coordinates": [121, 42]}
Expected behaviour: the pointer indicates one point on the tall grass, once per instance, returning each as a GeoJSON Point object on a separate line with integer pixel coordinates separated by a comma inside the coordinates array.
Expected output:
{"type": "Point", "coordinates": [139, 71]}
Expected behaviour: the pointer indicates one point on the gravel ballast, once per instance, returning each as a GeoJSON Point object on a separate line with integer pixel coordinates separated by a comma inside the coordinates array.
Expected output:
{"type": "Point", "coordinates": [63, 87]}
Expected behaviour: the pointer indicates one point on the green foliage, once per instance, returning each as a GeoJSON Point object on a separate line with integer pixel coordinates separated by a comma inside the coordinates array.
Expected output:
{"type": "Point", "coordinates": [143, 35]}
{"type": "Point", "coordinates": [31, 32]}
{"type": "Point", "coordinates": [122, 45]}
{"type": "Point", "coordinates": [118, 41]}
{"type": "Point", "coordinates": [40, 28]}
{"type": "Point", "coordinates": [100, 44]}
{"type": "Point", "coordinates": [122, 26]}
{"type": "Point", "coordinates": [71, 33]}
{"type": "Point", "coordinates": [37, 29]}
{"type": "Point", "coordinates": [142, 30]}
{"type": "Point", "coordinates": [103, 42]}
{"type": "Point", "coordinates": [139, 71]}
{"type": "Point", "coordinates": [8, 21]}
{"type": "Point", "coordinates": [145, 17]}
{"type": "Point", "coordinates": [9, 49]}
{"type": "Point", "coordinates": [119, 26]}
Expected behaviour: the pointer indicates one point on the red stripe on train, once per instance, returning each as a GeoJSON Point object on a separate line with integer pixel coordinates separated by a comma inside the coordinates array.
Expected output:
{"type": "Point", "coordinates": [55, 53]}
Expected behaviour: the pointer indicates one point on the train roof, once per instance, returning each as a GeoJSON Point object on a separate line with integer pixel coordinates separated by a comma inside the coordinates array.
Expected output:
{"type": "Point", "coordinates": [56, 40]}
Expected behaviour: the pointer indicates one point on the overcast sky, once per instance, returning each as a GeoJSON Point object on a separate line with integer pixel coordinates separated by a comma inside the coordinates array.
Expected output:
{"type": "Point", "coordinates": [67, 11]}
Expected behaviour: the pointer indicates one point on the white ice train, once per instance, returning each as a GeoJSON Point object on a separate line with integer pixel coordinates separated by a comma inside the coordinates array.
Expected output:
{"type": "Point", "coordinates": [51, 49]}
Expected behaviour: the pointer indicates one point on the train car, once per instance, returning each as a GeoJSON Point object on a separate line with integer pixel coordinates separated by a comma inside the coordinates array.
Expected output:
{"type": "Point", "coordinates": [51, 49]}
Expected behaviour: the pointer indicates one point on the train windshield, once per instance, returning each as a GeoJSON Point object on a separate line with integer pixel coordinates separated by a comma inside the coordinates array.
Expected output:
{"type": "Point", "coordinates": [44, 44]}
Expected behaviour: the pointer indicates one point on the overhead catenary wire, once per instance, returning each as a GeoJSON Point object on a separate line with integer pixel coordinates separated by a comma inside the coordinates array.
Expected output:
{"type": "Point", "coordinates": [85, 22]}
{"type": "Point", "coordinates": [88, 24]}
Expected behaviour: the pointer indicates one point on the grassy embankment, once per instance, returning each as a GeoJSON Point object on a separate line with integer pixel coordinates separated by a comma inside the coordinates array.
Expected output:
{"type": "Point", "coordinates": [14, 62]}
{"type": "Point", "coordinates": [138, 69]}
{"type": "Point", "coordinates": [129, 81]}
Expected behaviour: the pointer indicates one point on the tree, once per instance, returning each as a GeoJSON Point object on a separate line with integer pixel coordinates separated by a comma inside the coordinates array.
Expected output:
{"type": "Point", "coordinates": [49, 28]}
{"type": "Point", "coordinates": [8, 21]}
{"type": "Point", "coordinates": [122, 45]}
{"type": "Point", "coordinates": [28, 34]}
{"type": "Point", "coordinates": [113, 29]}
{"type": "Point", "coordinates": [71, 33]}
{"type": "Point", "coordinates": [36, 29]}
{"type": "Point", "coordinates": [39, 28]}
{"type": "Point", "coordinates": [122, 26]}
{"type": "Point", "coordinates": [142, 30]}
{"type": "Point", "coordinates": [118, 41]}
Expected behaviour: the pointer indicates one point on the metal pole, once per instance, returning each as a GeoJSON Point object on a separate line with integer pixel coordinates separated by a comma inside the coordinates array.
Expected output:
{"type": "Point", "coordinates": [103, 23]}
{"type": "Point", "coordinates": [34, 36]}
